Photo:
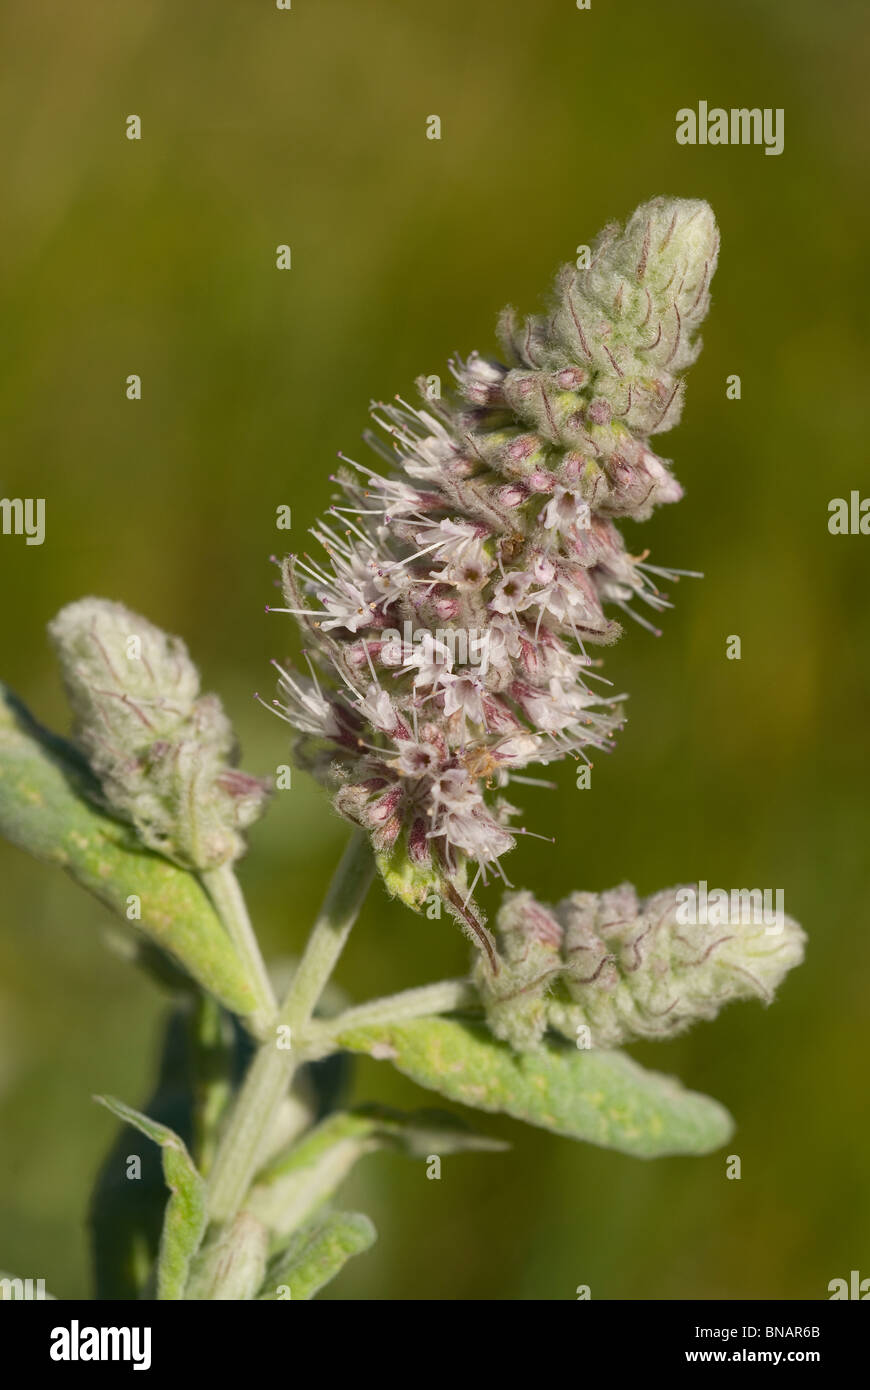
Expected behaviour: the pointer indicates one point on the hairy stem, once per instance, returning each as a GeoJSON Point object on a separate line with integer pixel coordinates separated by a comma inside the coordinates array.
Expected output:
{"type": "Point", "coordinates": [223, 889]}
{"type": "Point", "coordinates": [442, 998]}
{"type": "Point", "coordinates": [240, 1149]}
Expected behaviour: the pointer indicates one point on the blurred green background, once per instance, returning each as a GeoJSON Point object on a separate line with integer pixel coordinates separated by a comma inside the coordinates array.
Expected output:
{"type": "Point", "coordinates": [157, 257]}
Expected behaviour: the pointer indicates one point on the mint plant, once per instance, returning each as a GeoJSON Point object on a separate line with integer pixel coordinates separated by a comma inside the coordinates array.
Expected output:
{"type": "Point", "coordinates": [448, 627]}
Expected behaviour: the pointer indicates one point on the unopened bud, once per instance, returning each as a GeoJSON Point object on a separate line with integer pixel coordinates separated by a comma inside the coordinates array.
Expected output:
{"type": "Point", "coordinates": [635, 970]}
{"type": "Point", "coordinates": [625, 969]}
{"type": "Point", "coordinates": [164, 755]}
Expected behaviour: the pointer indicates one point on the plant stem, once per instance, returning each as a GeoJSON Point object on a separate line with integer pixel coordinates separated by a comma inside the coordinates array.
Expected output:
{"type": "Point", "coordinates": [321, 1038]}
{"type": "Point", "coordinates": [241, 1146]}
{"type": "Point", "coordinates": [351, 882]}
{"type": "Point", "coordinates": [223, 888]}
{"type": "Point", "coordinates": [238, 1152]}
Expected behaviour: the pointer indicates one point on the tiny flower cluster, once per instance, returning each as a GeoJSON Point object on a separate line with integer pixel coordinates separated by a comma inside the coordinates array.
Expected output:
{"type": "Point", "coordinates": [498, 519]}
{"type": "Point", "coordinates": [621, 969]}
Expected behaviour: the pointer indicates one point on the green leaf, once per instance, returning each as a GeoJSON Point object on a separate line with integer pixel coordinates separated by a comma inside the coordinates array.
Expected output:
{"type": "Point", "coordinates": [231, 1269]}
{"type": "Point", "coordinates": [317, 1254]}
{"type": "Point", "coordinates": [44, 809]}
{"type": "Point", "coordinates": [604, 1098]}
{"type": "Point", "coordinates": [203, 1056]}
{"type": "Point", "coordinates": [299, 1180]}
{"type": "Point", "coordinates": [425, 1132]}
{"type": "Point", "coordinates": [126, 1218]}
{"type": "Point", "coordinates": [185, 1219]}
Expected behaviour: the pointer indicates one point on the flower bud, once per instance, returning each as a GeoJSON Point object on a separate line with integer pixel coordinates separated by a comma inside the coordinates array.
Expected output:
{"type": "Point", "coordinates": [626, 970]}
{"type": "Point", "coordinates": [634, 970]}
{"type": "Point", "coordinates": [164, 755]}
{"type": "Point", "coordinates": [530, 943]}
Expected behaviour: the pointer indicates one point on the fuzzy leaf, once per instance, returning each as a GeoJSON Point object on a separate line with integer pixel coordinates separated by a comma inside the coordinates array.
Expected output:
{"type": "Point", "coordinates": [185, 1218]}
{"type": "Point", "coordinates": [316, 1254]}
{"type": "Point", "coordinates": [43, 809]}
{"type": "Point", "coordinates": [231, 1269]}
{"type": "Point", "coordinates": [604, 1098]}
{"type": "Point", "coordinates": [423, 1132]}
{"type": "Point", "coordinates": [295, 1183]}
{"type": "Point", "coordinates": [125, 1233]}
{"type": "Point", "coordinates": [203, 1056]}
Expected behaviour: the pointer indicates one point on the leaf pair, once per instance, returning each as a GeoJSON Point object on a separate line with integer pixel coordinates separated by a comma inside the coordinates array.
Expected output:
{"type": "Point", "coordinates": [294, 1186]}
{"type": "Point", "coordinates": [285, 1214]}
{"type": "Point", "coordinates": [285, 1243]}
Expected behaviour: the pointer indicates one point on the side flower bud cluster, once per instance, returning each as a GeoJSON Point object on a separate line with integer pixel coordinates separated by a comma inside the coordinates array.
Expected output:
{"type": "Point", "coordinates": [605, 969]}
{"type": "Point", "coordinates": [164, 755]}
{"type": "Point", "coordinates": [449, 624]}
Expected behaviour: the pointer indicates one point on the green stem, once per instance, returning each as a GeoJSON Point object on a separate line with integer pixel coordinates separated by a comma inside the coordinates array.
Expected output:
{"type": "Point", "coordinates": [223, 889]}
{"type": "Point", "coordinates": [321, 1038]}
{"type": "Point", "coordinates": [240, 1149]}
{"type": "Point", "coordinates": [212, 1090]}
